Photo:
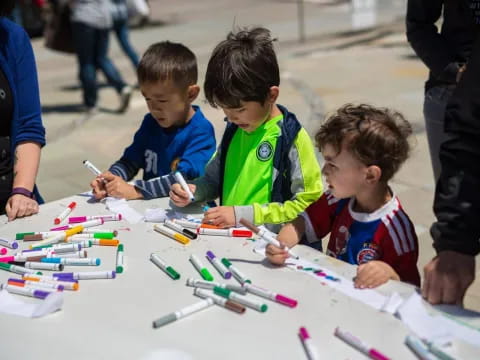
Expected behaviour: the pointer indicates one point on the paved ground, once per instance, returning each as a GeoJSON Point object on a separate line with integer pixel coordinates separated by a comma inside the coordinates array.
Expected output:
{"type": "Point", "coordinates": [334, 66]}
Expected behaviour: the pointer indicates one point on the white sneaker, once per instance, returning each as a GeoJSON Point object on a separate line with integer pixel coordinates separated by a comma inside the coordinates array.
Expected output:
{"type": "Point", "coordinates": [125, 96]}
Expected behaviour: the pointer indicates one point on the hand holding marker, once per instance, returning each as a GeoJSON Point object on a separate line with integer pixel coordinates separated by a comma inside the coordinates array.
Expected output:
{"type": "Point", "coordinates": [183, 184]}
{"type": "Point", "coordinates": [262, 233]}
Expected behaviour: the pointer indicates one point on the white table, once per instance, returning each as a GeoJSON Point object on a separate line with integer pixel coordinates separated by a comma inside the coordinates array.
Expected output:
{"type": "Point", "coordinates": [112, 319]}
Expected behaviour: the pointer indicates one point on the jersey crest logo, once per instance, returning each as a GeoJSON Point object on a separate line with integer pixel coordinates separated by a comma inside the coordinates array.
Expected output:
{"type": "Point", "coordinates": [368, 253]}
{"type": "Point", "coordinates": [264, 151]}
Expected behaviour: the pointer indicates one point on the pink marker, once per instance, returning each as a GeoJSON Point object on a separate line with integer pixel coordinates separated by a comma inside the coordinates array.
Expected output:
{"type": "Point", "coordinates": [267, 294]}
{"type": "Point", "coordinates": [65, 213]}
{"type": "Point", "coordinates": [360, 345]}
{"type": "Point", "coordinates": [307, 344]}
{"type": "Point", "coordinates": [3, 250]}
{"type": "Point", "coordinates": [110, 217]}
{"type": "Point", "coordinates": [60, 228]}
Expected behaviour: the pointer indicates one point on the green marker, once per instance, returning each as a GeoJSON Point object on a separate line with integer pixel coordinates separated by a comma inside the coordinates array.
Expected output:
{"type": "Point", "coordinates": [119, 268]}
{"type": "Point", "coordinates": [20, 236]}
{"type": "Point", "coordinates": [162, 265]}
{"type": "Point", "coordinates": [17, 269]}
{"type": "Point", "coordinates": [201, 269]}
{"type": "Point", "coordinates": [256, 305]}
{"type": "Point", "coordinates": [235, 272]}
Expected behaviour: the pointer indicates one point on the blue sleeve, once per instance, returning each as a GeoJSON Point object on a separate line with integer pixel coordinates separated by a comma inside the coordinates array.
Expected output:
{"type": "Point", "coordinates": [198, 152]}
{"type": "Point", "coordinates": [29, 126]}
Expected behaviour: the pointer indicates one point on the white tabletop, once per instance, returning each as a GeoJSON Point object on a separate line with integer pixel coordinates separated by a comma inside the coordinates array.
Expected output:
{"type": "Point", "coordinates": [112, 319]}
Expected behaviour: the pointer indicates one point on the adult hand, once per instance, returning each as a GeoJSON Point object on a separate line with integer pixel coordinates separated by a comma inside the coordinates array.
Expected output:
{"type": "Point", "coordinates": [119, 188]}
{"type": "Point", "coordinates": [447, 277]}
{"type": "Point", "coordinates": [374, 273]}
{"type": "Point", "coordinates": [19, 206]}
{"type": "Point", "coordinates": [179, 196]}
{"type": "Point", "coordinates": [222, 216]}
{"type": "Point", "coordinates": [276, 255]}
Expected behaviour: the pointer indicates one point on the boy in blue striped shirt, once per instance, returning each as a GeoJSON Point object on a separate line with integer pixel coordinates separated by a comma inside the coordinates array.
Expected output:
{"type": "Point", "coordinates": [174, 136]}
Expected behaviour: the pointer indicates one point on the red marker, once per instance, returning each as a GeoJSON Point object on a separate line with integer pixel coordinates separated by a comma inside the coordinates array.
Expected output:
{"type": "Point", "coordinates": [65, 213]}
{"type": "Point", "coordinates": [225, 232]}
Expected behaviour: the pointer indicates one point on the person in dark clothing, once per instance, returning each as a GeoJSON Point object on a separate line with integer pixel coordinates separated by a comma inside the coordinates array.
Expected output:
{"type": "Point", "coordinates": [445, 53]}
{"type": "Point", "coordinates": [456, 233]}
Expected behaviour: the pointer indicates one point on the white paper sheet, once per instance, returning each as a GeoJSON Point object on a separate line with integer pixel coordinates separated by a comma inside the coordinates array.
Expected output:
{"type": "Point", "coordinates": [120, 206]}
{"type": "Point", "coordinates": [414, 313]}
{"type": "Point", "coordinates": [9, 304]}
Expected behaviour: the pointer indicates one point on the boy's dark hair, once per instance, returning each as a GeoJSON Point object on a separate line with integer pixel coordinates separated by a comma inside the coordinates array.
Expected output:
{"type": "Point", "coordinates": [168, 61]}
{"type": "Point", "coordinates": [375, 136]}
{"type": "Point", "coordinates": [242, 68]}
{"type": "Point", "coordinates": [6, 7]}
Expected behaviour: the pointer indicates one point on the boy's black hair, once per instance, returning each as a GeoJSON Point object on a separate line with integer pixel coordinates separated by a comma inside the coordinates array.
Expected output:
{"type": "Point", "coordinates": [6, 7]}
{"type": "Point", "coordinates": [375, 136]}
{"type": "Point", "coordinates": [168, 61]}
{"type": "Point", "coordinates": [242, 68]}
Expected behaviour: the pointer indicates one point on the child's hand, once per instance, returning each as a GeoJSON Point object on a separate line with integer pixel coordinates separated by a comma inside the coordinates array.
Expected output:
{"type": "Point", "coordinates": [179, 196]}
{"type": "Point", "coordinates": [119, 188]}
{"type": "Point", "coordinates": [276, 255]}
{"type": "Point", "coordinates": [373, 274]}
{"type": "Point", "coordinates": [222, 216]}
{"type": "Point", "coordinates": [98, 188]}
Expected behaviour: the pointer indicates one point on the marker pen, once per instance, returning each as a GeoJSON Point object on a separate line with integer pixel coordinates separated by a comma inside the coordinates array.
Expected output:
{"type": "Point", "coordinates": [91, 167]}
{"type": "Point", "coordinates": [91, 223]}
{"type": "Point", "coordinates": [66, 248]}
{"type": "Point", "coordinates": [47, 278]}
{"type": "Point", "coordinates": [35, 284]}
{"type": "Point", "coordinates": [39, 294]}
{"type": "Point", "coordinates": [86, 275]}
{"type": "Point", "coordinates": [419, 348]}
{"type": "Point", "coordinates": [359, 345]}
{"type": "Point", "coordinates": [101, 230]}
{"type": "Point", "coordinates": [44, 266]}
{"type": "Point", "coordinates": [200, 268]}
{"type": "Point", "coordinates": [241, 299]}
{"type": "Point", "coordinates": [437, 351]}
{"type": "Point", "coordinates": [3, 250]}
{"type": "Point", "coordinates": [17, 269]}
{"type": "Point", "coordinates": [172, 234]}
{"type": "Point", "coordinates": [163, 265]}
{"type": "Point", "coordinates": [183, 184]}
{"type": "Point", "coordinates": [12, 244]}
{"type": "Point", "coordinates": [217, 264]}
{"type": "Point", "coordinates": [65, 213]}
{"type": "Point", "coordinates": [211, 284]}
{"type": "Point", "coordinates": [83, 242]}
{"type": "Point", "coordinates": [230, 305]}
{"type": "Point", "coordinates": [67, 285]}
{"type": "Point", "coordinates": [22, 258]}
{"type": "Point", "coordinates": [80, 254]}
{"type": "Point", "coordinates": [80, 219]}
{"type": "Point", "coordinates": [307, 344]}
{"type": "Point", "coordinates": [105, 242]}
{"type": "Point", "coordinates": [186, 223]}
{"type": "Point", "coordinates": [50, 240]}
{"type": "Point", "coordinates": [191, 309]}
{"type": "Point", "coordinates": [73, 261]}
{"type": "Point", "coordinates": [237, 274]}
{"type": "Point", "coordinates": [177, 227]}
{"type": "Point", "coordinates": [119, 263]}
{"type": "Point", "coordinates": [225, 232]}
{"type": "Point", "coordinates": [265, 235]}
{"type": "Point", "coordinates": [267, 294]}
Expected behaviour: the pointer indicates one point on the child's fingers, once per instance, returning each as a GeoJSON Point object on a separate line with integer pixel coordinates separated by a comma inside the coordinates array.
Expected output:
{"type": "Point", "coordinates": [274, 250]}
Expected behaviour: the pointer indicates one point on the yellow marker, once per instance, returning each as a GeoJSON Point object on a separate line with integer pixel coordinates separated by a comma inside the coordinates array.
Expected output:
{"type": "Point", "coordinates": [74, 230]}
{"type": "Point", "coordinates": [171, 233]}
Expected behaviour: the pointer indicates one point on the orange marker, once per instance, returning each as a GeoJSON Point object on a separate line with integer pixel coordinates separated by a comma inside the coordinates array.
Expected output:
{"type": "Point", "coordinates": [105, 242]}
{"type": "Point", "coordinates": [208, 226]}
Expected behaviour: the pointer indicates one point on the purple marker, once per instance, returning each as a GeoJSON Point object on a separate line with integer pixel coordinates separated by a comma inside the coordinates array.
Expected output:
{"type": "Point", "coordinates": [12, 244]}
{"type": "Point", "coordinates": [86, 275]}
{"type": "Point", "coordinates": [217, 264]}
{"type": "Point", "coordinates": [36, 284]}
{"type": "Point", "coordinates": [39, 294]}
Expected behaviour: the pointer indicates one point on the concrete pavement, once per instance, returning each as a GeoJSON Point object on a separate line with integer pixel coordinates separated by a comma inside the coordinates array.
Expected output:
{"type": "Point", "coordinates": [375, 66]}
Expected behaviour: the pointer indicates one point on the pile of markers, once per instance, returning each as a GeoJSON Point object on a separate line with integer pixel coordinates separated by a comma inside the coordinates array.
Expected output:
{"type": "Point", "coordinates": [54, 249]}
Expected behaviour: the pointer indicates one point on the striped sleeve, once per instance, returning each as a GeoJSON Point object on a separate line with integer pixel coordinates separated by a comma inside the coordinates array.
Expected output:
{"type": "Point", "coordinates": [124, 168]}
{"type": "Point", "coordinates": [156, 187]}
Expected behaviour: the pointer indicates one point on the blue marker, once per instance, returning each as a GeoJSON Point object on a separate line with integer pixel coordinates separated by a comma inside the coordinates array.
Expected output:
{"type": "Point", "coordinates": [419, 348]}
{"type": "Point", "coordinates": [217, 264]}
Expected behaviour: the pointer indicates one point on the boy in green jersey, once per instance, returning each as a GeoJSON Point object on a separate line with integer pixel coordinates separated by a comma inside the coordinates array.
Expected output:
{"type": "Point", "coordinates": [265, 168]}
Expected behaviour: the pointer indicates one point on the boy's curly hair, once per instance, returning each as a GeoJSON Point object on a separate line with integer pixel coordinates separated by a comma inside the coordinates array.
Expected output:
{"type": "Point", "coordinates": [375, 136]}
{"type": "Point", "coordinates": [242, 68]}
